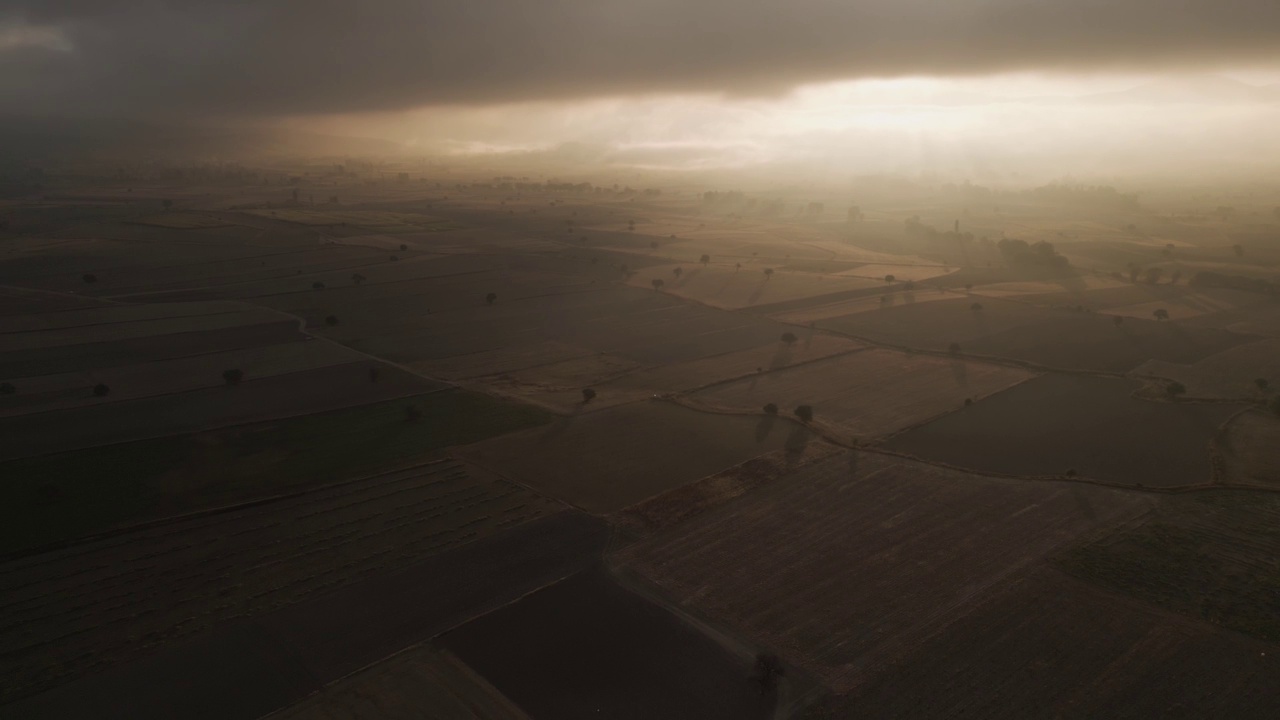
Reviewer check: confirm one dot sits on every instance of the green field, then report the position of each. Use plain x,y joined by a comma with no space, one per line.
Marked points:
1212,556
63,496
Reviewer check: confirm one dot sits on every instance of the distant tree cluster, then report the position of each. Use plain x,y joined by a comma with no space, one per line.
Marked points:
1019,253
1093,196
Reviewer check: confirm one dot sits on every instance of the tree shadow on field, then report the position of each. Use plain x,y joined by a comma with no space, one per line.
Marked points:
781,358
960,371
1082,501
755,294
561,425
796,443
764,427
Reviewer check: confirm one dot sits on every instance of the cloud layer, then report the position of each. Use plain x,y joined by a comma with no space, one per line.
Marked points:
259,58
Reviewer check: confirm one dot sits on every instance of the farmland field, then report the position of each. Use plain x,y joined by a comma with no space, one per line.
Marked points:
730,289
1059,423
271,658
1050,337
402,687
133,592
609,459
62,496
846,565
63,390
1228,374
94,422
1210,556
1050,647
870,393
1248,448
586,648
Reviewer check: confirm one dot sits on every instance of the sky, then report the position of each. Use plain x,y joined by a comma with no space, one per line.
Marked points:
739,81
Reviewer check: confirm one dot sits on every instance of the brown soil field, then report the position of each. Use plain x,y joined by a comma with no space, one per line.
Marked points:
121,596
873,303
1228,374
425,681
254,400
1057,423
867,394
1209,556
101,313
618,381
56,498
18,302
644,327
243,668
849,564
1250,449
725,287
606,460
1045,336
900,272
128,382
1051,647
1260,319
182,221
84,357
107,331
587,648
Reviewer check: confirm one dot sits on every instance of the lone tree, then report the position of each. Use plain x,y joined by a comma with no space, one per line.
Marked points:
1174,389
101,390
789,338
768,273
954,348
976,307
889,278
412,413
657,284
490,298
771,409
7,389
403,247
89,278
331,320
588,395
1118,320
317,285
233,376
357,278
737,267
805,413
1161,314
705,260
1260,382
677,272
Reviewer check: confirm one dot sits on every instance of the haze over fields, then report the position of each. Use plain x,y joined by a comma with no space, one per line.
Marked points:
567,360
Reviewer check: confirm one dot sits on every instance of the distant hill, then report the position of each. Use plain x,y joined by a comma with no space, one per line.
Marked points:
28,138
1194,90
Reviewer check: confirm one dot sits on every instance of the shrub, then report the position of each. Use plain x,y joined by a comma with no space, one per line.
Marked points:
101,390
331,320
789,338
1175,389
7,389
805,413
954,348
490,298
771,409
588,395
233,376
317,285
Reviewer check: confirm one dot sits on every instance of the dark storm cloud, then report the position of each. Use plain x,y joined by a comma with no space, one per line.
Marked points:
273,57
